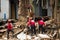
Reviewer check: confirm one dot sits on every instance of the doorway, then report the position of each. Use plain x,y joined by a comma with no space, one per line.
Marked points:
13,9
44,12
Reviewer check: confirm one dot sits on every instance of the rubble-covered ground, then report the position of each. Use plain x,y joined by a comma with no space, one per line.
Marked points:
17,32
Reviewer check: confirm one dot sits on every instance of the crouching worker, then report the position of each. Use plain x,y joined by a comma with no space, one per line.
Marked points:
29,27
9,27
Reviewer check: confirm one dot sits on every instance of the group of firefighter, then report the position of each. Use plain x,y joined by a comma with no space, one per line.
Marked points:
33,23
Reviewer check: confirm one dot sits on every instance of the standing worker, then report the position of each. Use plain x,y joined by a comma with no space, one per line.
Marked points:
32,23
9,26
41,23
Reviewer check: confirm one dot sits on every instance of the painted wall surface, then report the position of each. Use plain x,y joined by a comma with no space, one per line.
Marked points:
4,9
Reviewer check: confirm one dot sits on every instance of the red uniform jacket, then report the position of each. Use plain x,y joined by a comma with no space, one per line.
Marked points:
32,22
41,22
9,26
